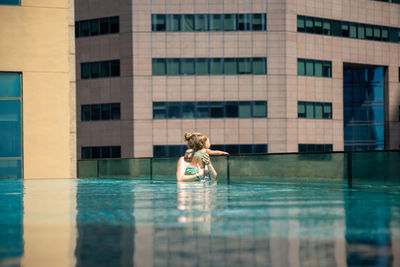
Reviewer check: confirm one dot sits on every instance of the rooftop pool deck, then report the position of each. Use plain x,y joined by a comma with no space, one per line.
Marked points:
143,222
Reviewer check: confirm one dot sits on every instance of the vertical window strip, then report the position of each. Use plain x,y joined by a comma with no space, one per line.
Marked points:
101,112
317,68
100,69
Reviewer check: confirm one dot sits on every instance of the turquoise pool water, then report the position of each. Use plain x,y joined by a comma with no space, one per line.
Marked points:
106,222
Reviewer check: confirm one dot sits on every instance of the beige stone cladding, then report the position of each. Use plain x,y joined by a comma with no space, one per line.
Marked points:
106,90
37,40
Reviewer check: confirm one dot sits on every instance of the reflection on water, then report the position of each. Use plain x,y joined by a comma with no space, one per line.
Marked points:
143,223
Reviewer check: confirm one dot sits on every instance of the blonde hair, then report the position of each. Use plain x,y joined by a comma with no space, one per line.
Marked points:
199,141
189,138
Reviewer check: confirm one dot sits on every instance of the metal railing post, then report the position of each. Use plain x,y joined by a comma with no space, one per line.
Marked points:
349,170
228,170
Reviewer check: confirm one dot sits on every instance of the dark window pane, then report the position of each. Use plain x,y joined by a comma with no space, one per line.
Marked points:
260,109
94,27
260,148
105,69
115,151
259,66
216,67
244,109
95,153
230,22
188,110
158,66
326,69
318,68
309,25
301,24
105,152
76,29
86,153
318,110
377,33
175,151
10,128
244,22
302,148
202,110
105,111
158,23
10,2
84,28
116,111
385,34
10,84
105,26
259,22
160,151
327,27
173,23
215,23
361,31
187,23
232,149
230,66
327,111
85,112
94,70
244,65
301,109
159,110
202,66
216,110
309,68
336,28
114,25
309,110
95,112
345,29
85,71
369,32
115,70
245,149
172,66
318,26
353,30
301,70
174,110
232,109
201,22
187,66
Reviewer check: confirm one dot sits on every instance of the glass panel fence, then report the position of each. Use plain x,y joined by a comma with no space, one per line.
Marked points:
164,168
318,167
125,168
376,167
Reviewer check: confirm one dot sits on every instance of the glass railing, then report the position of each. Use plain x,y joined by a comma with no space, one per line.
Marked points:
347,168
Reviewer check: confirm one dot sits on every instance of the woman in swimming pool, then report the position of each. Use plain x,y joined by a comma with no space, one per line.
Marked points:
201,147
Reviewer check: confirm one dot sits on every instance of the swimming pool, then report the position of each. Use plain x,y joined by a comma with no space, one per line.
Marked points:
111,222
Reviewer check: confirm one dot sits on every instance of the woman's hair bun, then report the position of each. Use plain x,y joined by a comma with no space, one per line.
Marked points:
187,136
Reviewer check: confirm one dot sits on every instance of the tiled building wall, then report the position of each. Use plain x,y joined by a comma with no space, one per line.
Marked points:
106,90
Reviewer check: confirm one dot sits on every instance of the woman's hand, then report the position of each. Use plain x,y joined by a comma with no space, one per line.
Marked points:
206,159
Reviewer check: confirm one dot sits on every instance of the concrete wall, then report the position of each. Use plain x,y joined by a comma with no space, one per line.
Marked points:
37,39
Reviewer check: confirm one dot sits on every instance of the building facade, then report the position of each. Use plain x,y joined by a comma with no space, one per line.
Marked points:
37,89
256,76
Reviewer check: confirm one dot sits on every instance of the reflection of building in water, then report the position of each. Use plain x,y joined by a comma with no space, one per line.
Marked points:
368,230
106,225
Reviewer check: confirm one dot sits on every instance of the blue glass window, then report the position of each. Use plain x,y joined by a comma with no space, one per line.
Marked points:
10,2
10,125
363,101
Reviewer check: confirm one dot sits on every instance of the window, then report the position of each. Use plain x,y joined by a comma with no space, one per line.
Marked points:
158,23
207,66
96,27
10,2
208,22
102,112
101,69
199,110
10,125
315,148
103,152
233,149
314,110
316,68
347,29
